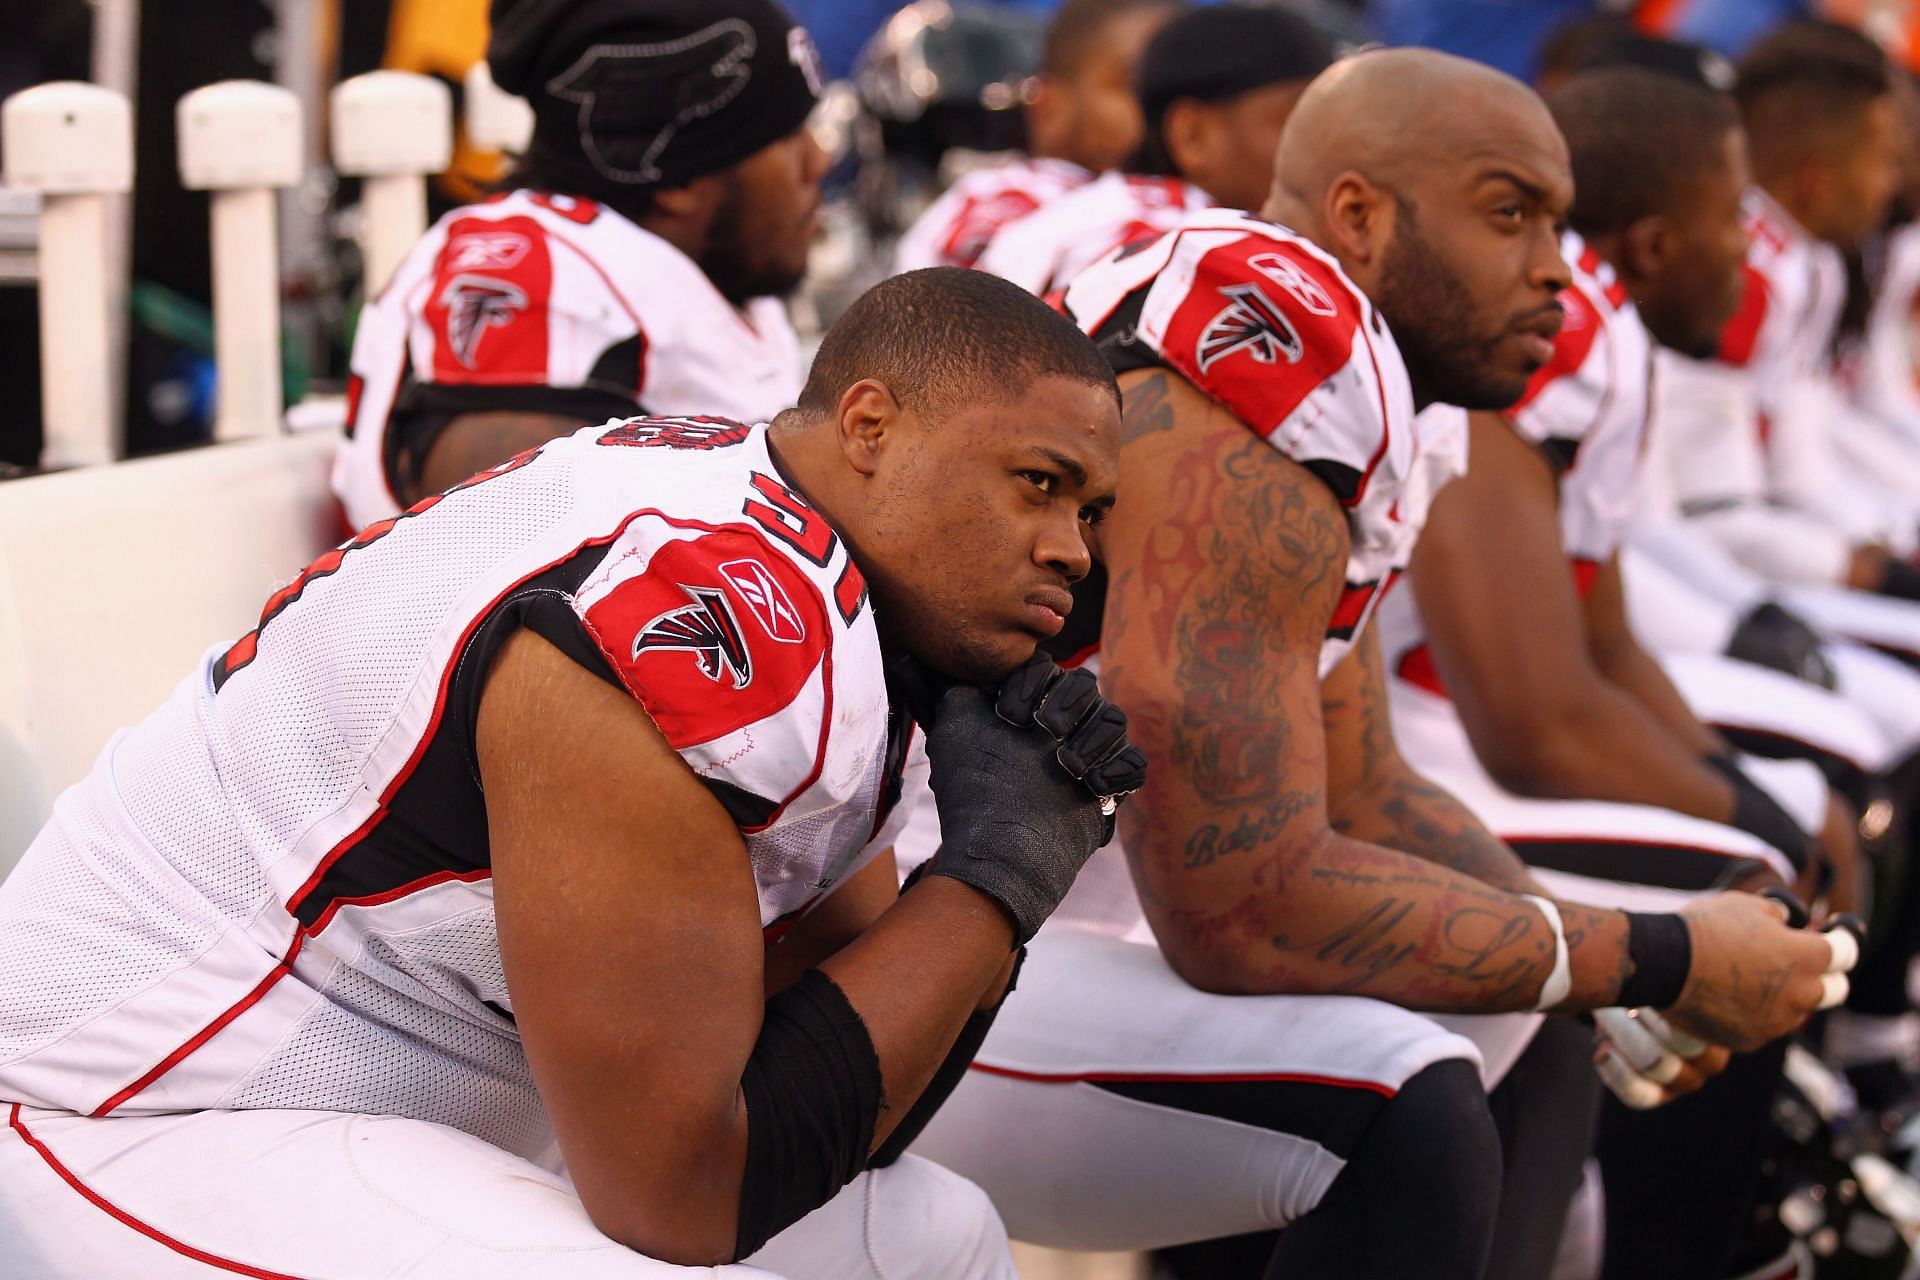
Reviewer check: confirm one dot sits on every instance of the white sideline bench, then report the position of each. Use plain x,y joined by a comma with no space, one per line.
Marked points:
115,579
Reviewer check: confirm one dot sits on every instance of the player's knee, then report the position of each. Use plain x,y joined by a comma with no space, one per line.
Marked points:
1439,1130
926,1222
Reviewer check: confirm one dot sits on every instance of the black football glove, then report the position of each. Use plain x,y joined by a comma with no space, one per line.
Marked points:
1025,779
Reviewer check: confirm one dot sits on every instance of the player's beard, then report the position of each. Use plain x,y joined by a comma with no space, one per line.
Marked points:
1427,306
730,260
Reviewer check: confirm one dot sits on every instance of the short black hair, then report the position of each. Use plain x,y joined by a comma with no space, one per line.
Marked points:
1637,138
1078,26
943,337
1696,63
1803,84
1571,42
1217,53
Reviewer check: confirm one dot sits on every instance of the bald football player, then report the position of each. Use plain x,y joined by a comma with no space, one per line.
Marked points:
1252,988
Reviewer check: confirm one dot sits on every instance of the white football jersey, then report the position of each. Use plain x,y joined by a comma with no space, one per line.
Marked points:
1050,246
955,229
532,301
275,892
1586,411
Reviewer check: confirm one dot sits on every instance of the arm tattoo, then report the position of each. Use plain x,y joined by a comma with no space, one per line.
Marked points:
1395,807
1146,410
1207,616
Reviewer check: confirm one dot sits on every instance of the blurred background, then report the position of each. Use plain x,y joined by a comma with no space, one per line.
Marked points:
921,95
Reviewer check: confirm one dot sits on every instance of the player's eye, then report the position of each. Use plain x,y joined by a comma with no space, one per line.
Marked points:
1511,214
1093,517
1044,481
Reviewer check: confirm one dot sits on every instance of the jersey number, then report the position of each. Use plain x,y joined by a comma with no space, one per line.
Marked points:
786,515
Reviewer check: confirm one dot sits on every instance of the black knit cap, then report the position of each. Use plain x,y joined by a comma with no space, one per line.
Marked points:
1222,51
652,93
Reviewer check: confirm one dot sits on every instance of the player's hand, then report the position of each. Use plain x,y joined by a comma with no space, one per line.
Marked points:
1025,779
1754,976
1647,1062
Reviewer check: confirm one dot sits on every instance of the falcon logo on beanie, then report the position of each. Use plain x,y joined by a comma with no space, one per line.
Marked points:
653,92
725,49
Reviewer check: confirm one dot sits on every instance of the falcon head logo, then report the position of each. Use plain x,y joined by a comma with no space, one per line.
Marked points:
615,87
475,304
707,629
1251,323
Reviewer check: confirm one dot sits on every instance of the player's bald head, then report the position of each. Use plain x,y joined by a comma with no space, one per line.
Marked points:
1439,185
1396,115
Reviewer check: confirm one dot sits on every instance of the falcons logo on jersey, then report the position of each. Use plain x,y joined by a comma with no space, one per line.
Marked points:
708,630
1251,323
474,305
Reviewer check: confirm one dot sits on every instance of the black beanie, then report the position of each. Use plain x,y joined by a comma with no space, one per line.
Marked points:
1222,51
652,93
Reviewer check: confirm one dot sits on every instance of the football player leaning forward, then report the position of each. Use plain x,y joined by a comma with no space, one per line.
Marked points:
519,894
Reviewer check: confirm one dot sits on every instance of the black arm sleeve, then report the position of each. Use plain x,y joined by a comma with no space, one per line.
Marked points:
812,1088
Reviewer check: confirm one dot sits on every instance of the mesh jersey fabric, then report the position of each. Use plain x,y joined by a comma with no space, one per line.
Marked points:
275,891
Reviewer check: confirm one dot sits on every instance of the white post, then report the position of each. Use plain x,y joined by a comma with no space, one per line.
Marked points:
496,119
73,143
392,129
241,139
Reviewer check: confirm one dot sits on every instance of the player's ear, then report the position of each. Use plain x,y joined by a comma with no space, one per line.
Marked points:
1190,130
1359,217
693,202
1647,248
1046,111
869,420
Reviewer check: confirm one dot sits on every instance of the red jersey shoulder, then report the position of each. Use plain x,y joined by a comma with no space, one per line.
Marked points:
1262,324
980,218
1742,333
719,630
488,302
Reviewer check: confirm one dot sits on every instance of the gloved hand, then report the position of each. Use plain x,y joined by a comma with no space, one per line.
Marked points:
1770,636
1025,779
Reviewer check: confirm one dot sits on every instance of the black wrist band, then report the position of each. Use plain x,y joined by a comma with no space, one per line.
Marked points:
1757,813
1662,953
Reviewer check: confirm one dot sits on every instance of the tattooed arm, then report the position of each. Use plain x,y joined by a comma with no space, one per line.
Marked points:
1376,795
1225,562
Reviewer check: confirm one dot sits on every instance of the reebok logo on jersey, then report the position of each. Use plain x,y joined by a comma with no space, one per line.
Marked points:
487,251
474,305
1287,274
708,630
768,603
1251,323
